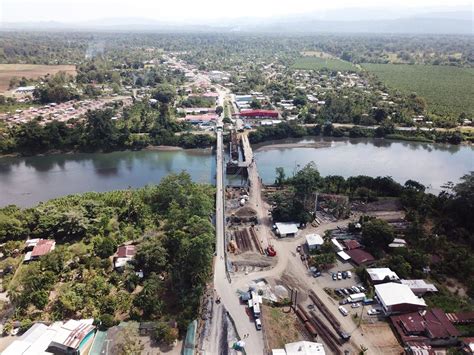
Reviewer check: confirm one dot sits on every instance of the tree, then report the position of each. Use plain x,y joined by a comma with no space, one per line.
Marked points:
104,247
152,256
376,235
219,110
164,333
280,176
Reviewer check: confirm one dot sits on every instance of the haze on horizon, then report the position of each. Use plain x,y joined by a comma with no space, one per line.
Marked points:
191,11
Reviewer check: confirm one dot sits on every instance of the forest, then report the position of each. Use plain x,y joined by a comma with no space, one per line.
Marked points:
170,225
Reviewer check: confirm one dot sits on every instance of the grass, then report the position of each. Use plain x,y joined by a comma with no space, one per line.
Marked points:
29,71
317,63
448,90
279,327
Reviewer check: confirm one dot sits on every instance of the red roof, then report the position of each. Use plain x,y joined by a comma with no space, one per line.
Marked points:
258,113
43,247
360,256
351,244
125,251
461,317
424,326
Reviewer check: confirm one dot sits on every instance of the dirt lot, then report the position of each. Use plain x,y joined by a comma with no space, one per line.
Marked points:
280,327
29,71
382,337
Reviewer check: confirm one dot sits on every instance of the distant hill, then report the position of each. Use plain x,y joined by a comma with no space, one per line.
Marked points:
340,21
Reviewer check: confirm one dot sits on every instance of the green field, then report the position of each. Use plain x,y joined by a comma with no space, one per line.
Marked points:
316,63
448,90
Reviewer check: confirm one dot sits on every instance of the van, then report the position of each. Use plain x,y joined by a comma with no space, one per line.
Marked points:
343,311
258,324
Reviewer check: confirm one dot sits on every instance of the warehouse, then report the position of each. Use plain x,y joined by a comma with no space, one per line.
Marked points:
397,298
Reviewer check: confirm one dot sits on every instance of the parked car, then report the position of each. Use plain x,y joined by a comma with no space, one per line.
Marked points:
258,324
349,274
344,275
298,248
343,301
334,276
355,305
346,291
355,289
361,288
374,312
339,275
343,311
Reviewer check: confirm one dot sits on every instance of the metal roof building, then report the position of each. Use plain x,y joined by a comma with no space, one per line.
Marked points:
398,298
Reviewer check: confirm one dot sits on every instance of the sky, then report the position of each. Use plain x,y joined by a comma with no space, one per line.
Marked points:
193,10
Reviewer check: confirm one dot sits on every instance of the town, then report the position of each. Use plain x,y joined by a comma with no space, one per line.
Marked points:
303,262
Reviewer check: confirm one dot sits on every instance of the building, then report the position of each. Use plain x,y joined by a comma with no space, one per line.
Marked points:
398,243
39,247
428,327
337,246
314,241
351,244
286,229
360,257
419,287
71,337
381,275
301,348
199,119
258,114
461,317
125,254
397,298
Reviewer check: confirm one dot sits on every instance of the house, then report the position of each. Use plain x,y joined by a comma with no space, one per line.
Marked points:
351,244
360,257
286,229
125,254
419,287
343,255
461,317
427,327
314,241
71,337
39,247
397,298
381,275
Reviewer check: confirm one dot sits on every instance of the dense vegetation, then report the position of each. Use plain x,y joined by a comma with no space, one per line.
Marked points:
441,228
292,130
316,63
170,225
447,90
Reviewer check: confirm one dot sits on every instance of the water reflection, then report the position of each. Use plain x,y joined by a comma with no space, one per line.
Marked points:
26,181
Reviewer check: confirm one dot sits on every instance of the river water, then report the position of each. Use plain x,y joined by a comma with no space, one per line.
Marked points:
430,164
27,181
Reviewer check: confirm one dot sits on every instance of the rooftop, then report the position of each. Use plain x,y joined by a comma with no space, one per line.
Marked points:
351,244
43,247
304,348
419,285
286,228
380,274
392,293
424,325
360,256
126,251
314,239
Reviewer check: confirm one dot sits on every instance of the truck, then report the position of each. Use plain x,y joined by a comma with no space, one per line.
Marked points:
356,297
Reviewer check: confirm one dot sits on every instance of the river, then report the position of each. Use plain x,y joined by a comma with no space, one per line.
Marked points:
27,181
430,164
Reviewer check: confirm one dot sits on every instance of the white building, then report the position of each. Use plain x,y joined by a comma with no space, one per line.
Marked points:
301,348
381,275
286,229
314,241
419,287
398,298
